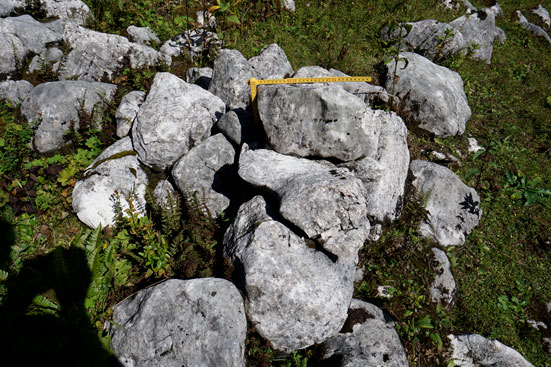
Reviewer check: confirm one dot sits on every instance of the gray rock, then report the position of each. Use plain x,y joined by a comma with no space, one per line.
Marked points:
127,111
456,5
55,104
430,38
496,9
193,43
175,117
165,194
100,56
230,79
543,14
7,7
536,30
288,5
116,169
296,296
384,175
472,350
192,323
328,203
14,92
206,171
34,35
12,50
478,29
239,127
367,339
500,35
313,72
74,11
453,207
442,289
47,60
474,146
367,92
199,76
271,63
142,35
429,96
204,18
325,121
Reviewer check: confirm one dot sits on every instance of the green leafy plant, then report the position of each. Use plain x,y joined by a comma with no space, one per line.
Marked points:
396,33
228,10
520,187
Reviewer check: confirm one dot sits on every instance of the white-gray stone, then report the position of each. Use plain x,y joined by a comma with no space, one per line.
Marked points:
271,63
296,296
127,111
230,79
543,14
478,29
474,146
74,11
55,104
288,5
199,76
164,194
239,127
473,350
7,7
193,43
367,92
428,96
206,171
367,339
536,30
47,60
142,35
442,289
192,323
175,117
33,34
453,207
328,203
12,50
204,18
101,56
14,92
116,169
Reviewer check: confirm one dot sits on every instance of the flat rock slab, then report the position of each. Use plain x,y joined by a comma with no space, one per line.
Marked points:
175,117
192,323
429,96
206,172
328,203
115,170
55,104
326,122
366,339
453,207
296,296
472,350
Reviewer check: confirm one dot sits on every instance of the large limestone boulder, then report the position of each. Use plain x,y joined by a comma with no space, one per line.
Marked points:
206,171
142,35
175,117
110,181
74,11
328,203
34,35
478,29
453,207
14,92
325,121
192,323
54,105
472,350
271,63
296,296
366,339
102,57
429,96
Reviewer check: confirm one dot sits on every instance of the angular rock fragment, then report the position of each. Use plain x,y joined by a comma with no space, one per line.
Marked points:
12,50
47,60
429,96
206,171
478,29
296,296
127,111
271,63
192,323
442,289
453,207
14,92
74,11
175,117
239,127
142,35
543,14
536,30
34,35
109,182
199,76
193,43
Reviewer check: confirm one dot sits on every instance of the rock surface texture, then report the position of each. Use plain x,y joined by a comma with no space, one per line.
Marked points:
192,323
296,296
127,111
442,289
239,127
13,91
536,30
453,207
271,63
429,96
478,29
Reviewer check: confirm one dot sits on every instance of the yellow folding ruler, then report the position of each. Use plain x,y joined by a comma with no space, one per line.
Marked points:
253,82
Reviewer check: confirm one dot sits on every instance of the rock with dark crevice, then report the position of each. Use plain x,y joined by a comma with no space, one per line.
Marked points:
442,289
127,111
478,29
239,127
271,63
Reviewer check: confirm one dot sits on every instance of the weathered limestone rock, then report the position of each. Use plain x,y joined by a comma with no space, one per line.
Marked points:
472,350
193,42
33,34
536,30
164,194
127,111
142,35
366,339
48,59
296,296
314,121
116,169
175,117
74,11
239,127
230,79
100,56
478,29
428,95
199,76
442,289
288,5
14,92
454,208
192,323
12,50
271,63
543,14
328,203
7,7
204,18
206,171
55,104
367,92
